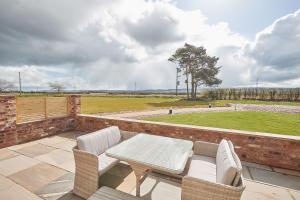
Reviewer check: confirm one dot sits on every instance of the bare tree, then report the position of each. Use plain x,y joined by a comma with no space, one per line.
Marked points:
6,85
57,86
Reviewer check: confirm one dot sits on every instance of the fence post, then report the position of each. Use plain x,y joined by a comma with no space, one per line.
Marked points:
17,115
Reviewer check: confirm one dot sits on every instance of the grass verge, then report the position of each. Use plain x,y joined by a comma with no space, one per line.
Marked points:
278,123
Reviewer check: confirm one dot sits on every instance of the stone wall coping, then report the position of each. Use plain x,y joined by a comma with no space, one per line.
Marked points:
43,120
10,96
229,131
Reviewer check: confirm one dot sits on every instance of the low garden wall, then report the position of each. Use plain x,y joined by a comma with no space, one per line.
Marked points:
262,148
12,133
34,130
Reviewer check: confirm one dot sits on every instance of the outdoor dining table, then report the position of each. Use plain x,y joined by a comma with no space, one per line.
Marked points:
145,152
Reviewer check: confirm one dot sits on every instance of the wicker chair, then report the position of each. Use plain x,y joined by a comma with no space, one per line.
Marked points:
203,186
106,193
91,163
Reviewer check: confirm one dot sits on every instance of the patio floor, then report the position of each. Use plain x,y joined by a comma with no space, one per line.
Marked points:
44,169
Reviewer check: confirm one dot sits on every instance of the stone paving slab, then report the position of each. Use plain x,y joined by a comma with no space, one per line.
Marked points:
35,177
12,191
6,154
65,145
286,171
60,158
59,189
52,140
16,164
295,194
35,150
154,188
255,165
259,191
274,178
19,146
71,135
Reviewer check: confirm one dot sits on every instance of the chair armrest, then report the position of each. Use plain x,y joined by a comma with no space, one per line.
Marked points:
86,180
205,148
194,188
85,161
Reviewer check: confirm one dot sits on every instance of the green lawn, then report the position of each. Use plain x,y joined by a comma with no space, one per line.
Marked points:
101,104
279,123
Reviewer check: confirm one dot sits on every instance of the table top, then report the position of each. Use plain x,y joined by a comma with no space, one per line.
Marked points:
156,152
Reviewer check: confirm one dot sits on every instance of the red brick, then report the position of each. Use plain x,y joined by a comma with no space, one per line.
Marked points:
261,149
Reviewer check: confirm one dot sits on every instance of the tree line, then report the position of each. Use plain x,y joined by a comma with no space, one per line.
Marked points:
7,86
272,94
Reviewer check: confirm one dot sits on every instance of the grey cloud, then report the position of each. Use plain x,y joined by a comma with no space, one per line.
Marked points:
53,33
154,28
275,76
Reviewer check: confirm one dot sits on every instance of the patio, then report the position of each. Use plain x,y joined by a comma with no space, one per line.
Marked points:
44,169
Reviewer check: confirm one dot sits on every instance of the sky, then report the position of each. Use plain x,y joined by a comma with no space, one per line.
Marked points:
114,44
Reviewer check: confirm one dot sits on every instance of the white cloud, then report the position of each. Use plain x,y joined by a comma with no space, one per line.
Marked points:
277,53
111,45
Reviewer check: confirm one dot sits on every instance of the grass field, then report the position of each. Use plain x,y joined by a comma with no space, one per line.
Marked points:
103,104
92,105
279,123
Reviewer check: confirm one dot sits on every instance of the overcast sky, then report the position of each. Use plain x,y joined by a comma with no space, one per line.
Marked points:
100,44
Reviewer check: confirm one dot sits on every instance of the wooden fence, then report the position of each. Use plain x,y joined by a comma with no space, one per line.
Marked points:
40,108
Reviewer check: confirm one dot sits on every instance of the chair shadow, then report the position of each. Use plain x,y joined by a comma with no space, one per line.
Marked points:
115,176
159,178
69,196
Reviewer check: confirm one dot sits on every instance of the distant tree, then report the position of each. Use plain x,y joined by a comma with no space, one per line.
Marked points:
197,66
182,58
57,86
6,85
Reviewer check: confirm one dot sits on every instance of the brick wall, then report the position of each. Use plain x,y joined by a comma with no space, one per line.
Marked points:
12,133
34,130
74,104
267,149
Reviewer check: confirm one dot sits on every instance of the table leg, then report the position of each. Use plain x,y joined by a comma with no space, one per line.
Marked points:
140,173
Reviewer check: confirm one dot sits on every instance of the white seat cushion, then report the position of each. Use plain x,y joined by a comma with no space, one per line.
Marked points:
94,143
203,167
226,167
238,164
99,141
105,163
